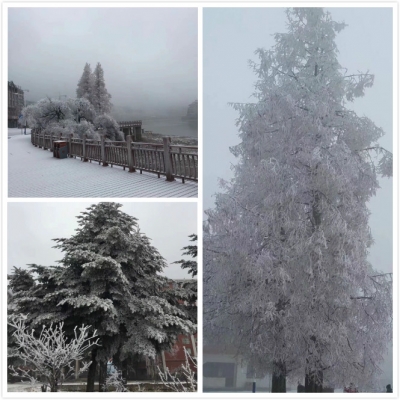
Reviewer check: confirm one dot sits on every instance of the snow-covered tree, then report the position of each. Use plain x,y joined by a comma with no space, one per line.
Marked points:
45,112
50,354
191,250
85,84
81,108
100,96
286,275
109,126
189,289
74,116
110,279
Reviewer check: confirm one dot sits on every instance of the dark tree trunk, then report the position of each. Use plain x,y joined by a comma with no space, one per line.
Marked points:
314,382
314,373
91,372
124,372
102,376
279,378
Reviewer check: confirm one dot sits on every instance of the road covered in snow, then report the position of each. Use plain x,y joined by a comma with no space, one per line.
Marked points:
34,172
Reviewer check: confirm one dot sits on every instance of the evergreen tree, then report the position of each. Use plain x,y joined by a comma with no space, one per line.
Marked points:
189,292
85,84
112,281
100,96
34,293
109,278
285,267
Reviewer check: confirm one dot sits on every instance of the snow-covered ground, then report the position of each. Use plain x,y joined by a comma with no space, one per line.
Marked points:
34,172
27,387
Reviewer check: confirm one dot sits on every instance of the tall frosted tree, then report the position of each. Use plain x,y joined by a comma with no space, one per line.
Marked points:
85,84
286,275
101,99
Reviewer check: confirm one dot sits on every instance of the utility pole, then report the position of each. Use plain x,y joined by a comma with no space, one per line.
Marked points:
25,90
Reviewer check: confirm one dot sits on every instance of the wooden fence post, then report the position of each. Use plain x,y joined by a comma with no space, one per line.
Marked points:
103,150
168,159
130,154
84,148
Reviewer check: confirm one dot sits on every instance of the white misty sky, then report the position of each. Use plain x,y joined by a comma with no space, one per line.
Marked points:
32,226
231,35
149,55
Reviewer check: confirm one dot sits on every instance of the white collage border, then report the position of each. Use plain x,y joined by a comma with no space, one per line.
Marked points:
200,5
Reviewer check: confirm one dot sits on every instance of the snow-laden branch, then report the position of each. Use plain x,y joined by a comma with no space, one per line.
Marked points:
50,355
184,379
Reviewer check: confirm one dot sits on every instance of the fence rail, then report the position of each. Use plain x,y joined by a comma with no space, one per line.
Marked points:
163,159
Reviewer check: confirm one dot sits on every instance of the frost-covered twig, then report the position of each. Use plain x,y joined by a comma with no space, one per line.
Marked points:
183,380
51,355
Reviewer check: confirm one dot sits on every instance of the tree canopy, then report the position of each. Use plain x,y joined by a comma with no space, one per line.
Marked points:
109,277
286,275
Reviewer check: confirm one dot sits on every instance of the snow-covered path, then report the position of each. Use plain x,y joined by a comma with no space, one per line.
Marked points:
33,172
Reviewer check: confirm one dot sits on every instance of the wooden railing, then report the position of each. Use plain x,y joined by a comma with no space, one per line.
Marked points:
162,159
125,124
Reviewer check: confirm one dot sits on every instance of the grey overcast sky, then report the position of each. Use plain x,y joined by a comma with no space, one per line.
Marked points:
149,55
231,35
32,226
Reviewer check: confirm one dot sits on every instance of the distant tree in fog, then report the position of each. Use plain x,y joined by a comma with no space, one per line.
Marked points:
100,97
85,84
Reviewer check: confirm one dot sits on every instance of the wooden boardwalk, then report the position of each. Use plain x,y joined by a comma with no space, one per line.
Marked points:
33,172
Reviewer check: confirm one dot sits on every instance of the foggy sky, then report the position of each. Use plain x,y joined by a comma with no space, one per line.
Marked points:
231,35
32,226
149,55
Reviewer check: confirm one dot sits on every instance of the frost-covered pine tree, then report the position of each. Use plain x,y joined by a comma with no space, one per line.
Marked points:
85,84
110,280
100,97
189,289
35,294
286,275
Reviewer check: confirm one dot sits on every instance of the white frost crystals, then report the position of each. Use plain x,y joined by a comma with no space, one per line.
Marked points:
184,379
49,354
291,229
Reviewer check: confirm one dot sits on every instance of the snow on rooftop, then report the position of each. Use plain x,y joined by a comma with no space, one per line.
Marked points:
34,172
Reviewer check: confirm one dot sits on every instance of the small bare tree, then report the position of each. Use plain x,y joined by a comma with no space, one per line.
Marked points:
51,355
183,380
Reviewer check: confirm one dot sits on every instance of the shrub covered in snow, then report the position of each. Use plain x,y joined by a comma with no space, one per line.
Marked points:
50,354
109,127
